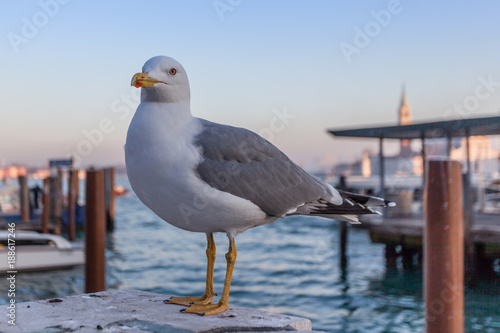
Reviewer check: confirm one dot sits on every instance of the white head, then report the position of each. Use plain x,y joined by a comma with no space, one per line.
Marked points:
163,80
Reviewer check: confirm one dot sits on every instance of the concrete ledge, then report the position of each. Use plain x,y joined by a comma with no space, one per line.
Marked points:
140,311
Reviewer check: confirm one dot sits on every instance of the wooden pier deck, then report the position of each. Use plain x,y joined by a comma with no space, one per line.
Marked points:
408,232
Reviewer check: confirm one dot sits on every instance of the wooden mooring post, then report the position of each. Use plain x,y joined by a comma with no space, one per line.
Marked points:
110,199
95,232
76,188
444,247
343,244
72,201
46,206
24,198
55,204
342,185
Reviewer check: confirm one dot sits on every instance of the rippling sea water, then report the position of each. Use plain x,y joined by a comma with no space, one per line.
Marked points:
290,266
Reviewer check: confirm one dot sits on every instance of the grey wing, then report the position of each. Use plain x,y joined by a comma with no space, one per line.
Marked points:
244,164
352,207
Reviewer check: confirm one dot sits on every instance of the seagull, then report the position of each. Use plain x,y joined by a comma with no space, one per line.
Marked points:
206,177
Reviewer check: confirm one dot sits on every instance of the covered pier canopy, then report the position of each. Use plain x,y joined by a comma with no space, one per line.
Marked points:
430,130
425,130
437,129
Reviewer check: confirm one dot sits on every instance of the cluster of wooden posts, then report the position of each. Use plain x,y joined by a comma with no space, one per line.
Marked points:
99,215
53,202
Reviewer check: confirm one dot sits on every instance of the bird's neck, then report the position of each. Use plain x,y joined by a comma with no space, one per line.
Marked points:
175,115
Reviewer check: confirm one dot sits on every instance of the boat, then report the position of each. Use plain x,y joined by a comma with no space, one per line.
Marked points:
120,190
37,251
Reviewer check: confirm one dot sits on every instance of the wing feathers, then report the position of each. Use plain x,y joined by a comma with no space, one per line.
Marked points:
353,205
240,162
259,172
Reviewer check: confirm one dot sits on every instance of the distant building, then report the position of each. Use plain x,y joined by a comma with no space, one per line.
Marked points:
12,171
405,163
405,119
484,159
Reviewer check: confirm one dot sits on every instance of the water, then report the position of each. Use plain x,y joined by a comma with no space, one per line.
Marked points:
290,266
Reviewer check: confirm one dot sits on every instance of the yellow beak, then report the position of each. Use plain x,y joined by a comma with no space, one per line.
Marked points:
143,80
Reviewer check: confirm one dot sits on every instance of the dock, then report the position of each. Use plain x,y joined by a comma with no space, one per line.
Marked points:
407,233
403,235
140,311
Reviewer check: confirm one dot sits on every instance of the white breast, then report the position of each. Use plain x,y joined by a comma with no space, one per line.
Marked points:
161,164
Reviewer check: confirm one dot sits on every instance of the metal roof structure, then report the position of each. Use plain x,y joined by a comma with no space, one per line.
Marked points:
438,129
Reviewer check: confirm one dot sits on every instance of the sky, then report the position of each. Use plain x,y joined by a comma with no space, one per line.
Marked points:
288,70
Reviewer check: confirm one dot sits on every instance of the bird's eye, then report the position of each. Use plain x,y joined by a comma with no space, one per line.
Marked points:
172,71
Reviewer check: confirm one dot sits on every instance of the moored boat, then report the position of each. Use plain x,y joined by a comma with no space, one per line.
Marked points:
36,251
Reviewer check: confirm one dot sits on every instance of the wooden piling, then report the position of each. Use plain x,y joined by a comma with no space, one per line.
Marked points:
110,199
24,198
343,244
55,204
444,247
471,268
407,257
60,176
382,167
391,256
95,232
46,206
72,200
76,188
342,185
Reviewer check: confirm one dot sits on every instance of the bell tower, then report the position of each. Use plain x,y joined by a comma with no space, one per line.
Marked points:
405,119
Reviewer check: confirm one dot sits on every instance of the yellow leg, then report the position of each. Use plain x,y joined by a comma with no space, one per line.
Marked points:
209,294
211,309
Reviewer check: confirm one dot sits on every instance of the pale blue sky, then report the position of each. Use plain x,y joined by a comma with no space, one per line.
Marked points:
246,64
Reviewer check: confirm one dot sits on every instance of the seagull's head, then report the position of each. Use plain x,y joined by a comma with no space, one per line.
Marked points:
163,80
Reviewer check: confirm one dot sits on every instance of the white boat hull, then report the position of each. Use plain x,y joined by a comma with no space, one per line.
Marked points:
42,257
34,251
